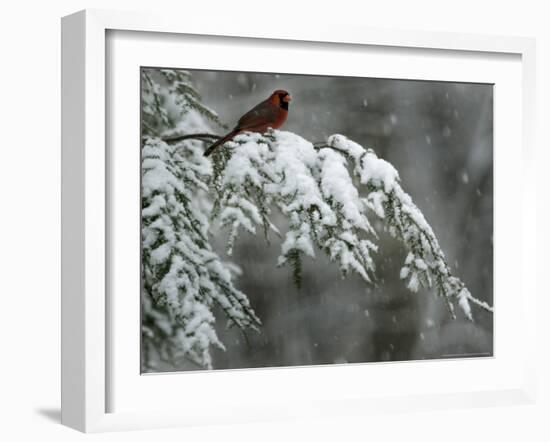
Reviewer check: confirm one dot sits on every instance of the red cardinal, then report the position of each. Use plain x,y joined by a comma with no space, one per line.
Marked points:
271,112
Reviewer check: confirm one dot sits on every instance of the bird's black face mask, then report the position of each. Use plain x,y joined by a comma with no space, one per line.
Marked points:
284,104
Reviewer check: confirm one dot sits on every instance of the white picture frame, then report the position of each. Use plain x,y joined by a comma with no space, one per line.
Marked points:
86,316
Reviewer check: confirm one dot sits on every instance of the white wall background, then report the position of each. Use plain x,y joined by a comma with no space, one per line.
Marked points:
30,220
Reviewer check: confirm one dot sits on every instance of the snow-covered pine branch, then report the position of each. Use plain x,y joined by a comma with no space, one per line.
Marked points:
313,187
181,271
183,278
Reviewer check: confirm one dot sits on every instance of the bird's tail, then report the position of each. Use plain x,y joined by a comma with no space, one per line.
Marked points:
222,140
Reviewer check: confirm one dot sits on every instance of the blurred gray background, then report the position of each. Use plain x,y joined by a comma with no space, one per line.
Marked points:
439,137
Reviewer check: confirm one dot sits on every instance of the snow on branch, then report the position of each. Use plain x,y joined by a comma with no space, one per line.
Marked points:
181,271
184,279
313,187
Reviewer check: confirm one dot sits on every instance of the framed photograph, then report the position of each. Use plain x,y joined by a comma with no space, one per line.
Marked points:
245,239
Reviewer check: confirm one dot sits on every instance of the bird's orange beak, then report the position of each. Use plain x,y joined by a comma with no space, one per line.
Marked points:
287,99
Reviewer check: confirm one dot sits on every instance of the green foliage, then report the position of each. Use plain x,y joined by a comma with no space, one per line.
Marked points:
167,96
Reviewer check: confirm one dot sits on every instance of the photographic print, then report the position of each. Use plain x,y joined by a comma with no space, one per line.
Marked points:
301,220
